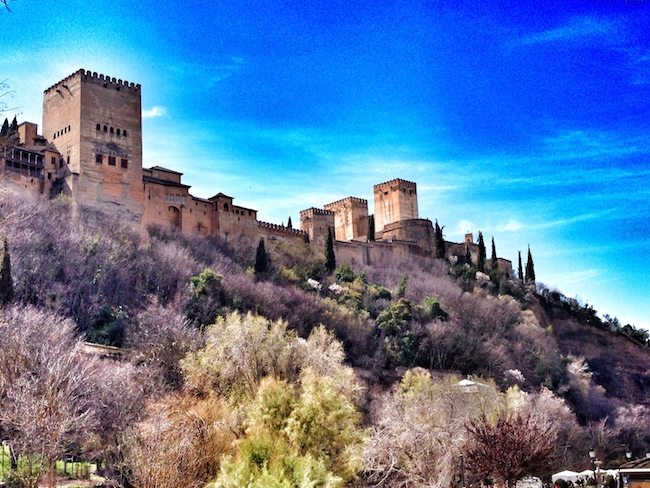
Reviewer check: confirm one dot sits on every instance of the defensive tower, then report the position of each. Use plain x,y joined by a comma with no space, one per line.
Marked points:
350,218
95,122
395,201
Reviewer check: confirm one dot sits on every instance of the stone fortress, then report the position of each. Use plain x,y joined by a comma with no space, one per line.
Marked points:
91,151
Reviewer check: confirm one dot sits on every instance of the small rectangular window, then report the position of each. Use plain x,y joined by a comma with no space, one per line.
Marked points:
98,158
53,160
124,163
111,160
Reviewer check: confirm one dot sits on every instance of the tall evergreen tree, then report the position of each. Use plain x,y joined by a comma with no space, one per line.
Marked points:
480,260
6,283
439,238
4,132
261,259
494,261
289,223
330,258
371,228
13,129
468,255
520,270
530,268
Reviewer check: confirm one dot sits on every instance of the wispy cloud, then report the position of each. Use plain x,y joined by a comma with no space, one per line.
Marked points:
156,111
577,28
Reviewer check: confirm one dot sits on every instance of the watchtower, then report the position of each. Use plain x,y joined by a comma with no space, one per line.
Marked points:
395,201
95,122
315,222
350,218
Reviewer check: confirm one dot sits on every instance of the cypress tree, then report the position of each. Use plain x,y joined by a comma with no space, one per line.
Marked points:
494,261
480,260
441,250
530,268
261,259
4,132
289,223
370,237
6,283
468,255
330,258
520,270
13,129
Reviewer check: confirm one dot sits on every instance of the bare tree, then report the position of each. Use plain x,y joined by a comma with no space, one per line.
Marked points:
512,447
44,387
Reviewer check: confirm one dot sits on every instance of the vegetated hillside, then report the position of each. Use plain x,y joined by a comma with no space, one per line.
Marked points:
157,293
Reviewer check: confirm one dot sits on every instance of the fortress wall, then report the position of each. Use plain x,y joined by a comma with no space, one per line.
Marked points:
419,231
281,233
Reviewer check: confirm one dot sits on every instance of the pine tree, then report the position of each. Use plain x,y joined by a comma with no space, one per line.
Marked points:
530,268
494,261
520,270
6,283
330,258
480,260
441,250
371,228
261,259
289,223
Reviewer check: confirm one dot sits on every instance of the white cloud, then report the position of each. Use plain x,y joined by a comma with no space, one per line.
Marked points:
578,28
512,225
156,111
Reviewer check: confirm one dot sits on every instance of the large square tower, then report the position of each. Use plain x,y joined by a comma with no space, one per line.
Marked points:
395,201
95,122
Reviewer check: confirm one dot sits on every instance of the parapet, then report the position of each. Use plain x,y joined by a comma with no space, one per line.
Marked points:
281,228
358,201
397,181
93,77
315,211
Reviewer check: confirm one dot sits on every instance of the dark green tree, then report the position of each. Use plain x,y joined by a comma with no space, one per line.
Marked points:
440,241
468,255
530,268
6,283
371,228
480,260
289,223
520,270
261,259
330,258
4,132
494,261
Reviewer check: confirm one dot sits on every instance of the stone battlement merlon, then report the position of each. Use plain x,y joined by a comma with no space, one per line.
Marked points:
351,199
396,180
97,78
317,211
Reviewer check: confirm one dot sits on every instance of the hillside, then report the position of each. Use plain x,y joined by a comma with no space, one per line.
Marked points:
287,334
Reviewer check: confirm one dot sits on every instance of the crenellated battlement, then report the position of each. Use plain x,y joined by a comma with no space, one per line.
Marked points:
281,228
94,77
315,211
359,201
392,183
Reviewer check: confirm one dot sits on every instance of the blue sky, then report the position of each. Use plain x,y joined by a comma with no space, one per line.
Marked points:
528,121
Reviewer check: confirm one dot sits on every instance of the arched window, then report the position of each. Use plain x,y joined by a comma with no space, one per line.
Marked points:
118,132
99,127
225,206
105,129
124,134
111,130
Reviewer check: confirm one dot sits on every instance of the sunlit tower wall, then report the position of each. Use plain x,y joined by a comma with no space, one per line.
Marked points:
350,218
395,201
315,222
95,122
